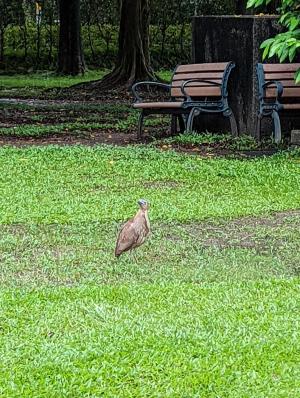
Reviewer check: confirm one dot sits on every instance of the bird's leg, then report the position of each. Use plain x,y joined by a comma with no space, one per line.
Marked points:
132,255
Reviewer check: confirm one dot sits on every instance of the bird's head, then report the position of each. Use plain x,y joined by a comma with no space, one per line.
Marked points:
144,205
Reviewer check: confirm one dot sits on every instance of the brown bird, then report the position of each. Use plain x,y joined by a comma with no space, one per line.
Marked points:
134,231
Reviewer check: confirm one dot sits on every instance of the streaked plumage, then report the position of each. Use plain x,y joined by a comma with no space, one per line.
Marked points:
135,231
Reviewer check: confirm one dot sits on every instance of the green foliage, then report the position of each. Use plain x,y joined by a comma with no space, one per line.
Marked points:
285,45
99,50
27,44
219,141
244,142
75,128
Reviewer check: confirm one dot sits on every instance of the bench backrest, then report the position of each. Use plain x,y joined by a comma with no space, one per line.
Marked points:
283,73
211,72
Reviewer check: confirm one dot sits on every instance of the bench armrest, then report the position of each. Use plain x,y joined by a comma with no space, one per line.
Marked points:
278,85
136,86
187,82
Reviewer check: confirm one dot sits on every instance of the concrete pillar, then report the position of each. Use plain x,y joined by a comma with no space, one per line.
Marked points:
238,39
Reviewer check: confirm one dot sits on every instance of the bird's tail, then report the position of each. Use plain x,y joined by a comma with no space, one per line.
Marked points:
117,253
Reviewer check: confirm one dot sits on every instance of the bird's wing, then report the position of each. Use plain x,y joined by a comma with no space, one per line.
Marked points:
128,236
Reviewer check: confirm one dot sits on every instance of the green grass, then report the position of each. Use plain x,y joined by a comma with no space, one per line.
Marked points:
78,184
80,127
61,128
178,340
243,142
52,107
210,306
47,80
53,255
35,84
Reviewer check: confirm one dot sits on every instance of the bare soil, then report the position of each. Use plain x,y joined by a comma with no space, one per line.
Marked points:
258,233
50,112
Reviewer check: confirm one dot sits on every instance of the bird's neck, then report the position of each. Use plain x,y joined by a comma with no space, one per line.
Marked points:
147,219
144,213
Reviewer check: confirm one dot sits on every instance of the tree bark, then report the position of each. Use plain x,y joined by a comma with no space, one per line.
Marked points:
133,60
2,30
70,55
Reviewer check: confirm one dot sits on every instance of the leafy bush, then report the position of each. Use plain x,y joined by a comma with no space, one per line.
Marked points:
285,45
99,49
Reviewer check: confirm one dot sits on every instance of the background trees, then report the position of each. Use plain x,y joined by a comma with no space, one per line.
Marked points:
11,13
70,55
32,42
133,60
28,40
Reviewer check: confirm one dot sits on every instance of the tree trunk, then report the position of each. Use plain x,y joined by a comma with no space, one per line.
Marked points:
2,30
38,42
70,55
133,60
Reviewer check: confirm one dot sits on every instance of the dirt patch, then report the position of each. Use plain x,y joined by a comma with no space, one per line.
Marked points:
259,233
95,138
94,121
211,152
161,184
112,137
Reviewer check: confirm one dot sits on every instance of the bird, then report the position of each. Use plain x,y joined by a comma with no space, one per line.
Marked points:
135,231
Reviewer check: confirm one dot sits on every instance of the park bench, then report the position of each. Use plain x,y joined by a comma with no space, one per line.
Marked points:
194,89
278,93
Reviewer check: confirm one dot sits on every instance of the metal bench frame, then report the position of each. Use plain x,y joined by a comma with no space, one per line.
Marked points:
269,108
190,107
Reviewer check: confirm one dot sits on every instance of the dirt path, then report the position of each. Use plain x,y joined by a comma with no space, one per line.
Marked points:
94,138
36,102
106,113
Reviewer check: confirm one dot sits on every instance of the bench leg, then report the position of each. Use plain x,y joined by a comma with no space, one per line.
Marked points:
233,125
277,127
173,124
258,126
189,125
140,126
181,123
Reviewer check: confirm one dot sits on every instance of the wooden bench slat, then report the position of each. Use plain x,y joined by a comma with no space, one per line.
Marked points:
271,92
199,75
281,67
291,106
178,83
279,76
158,105
201,67
288,83
198,92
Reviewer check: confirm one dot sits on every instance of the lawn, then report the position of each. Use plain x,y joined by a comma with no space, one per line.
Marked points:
46,80
210,305
33,84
